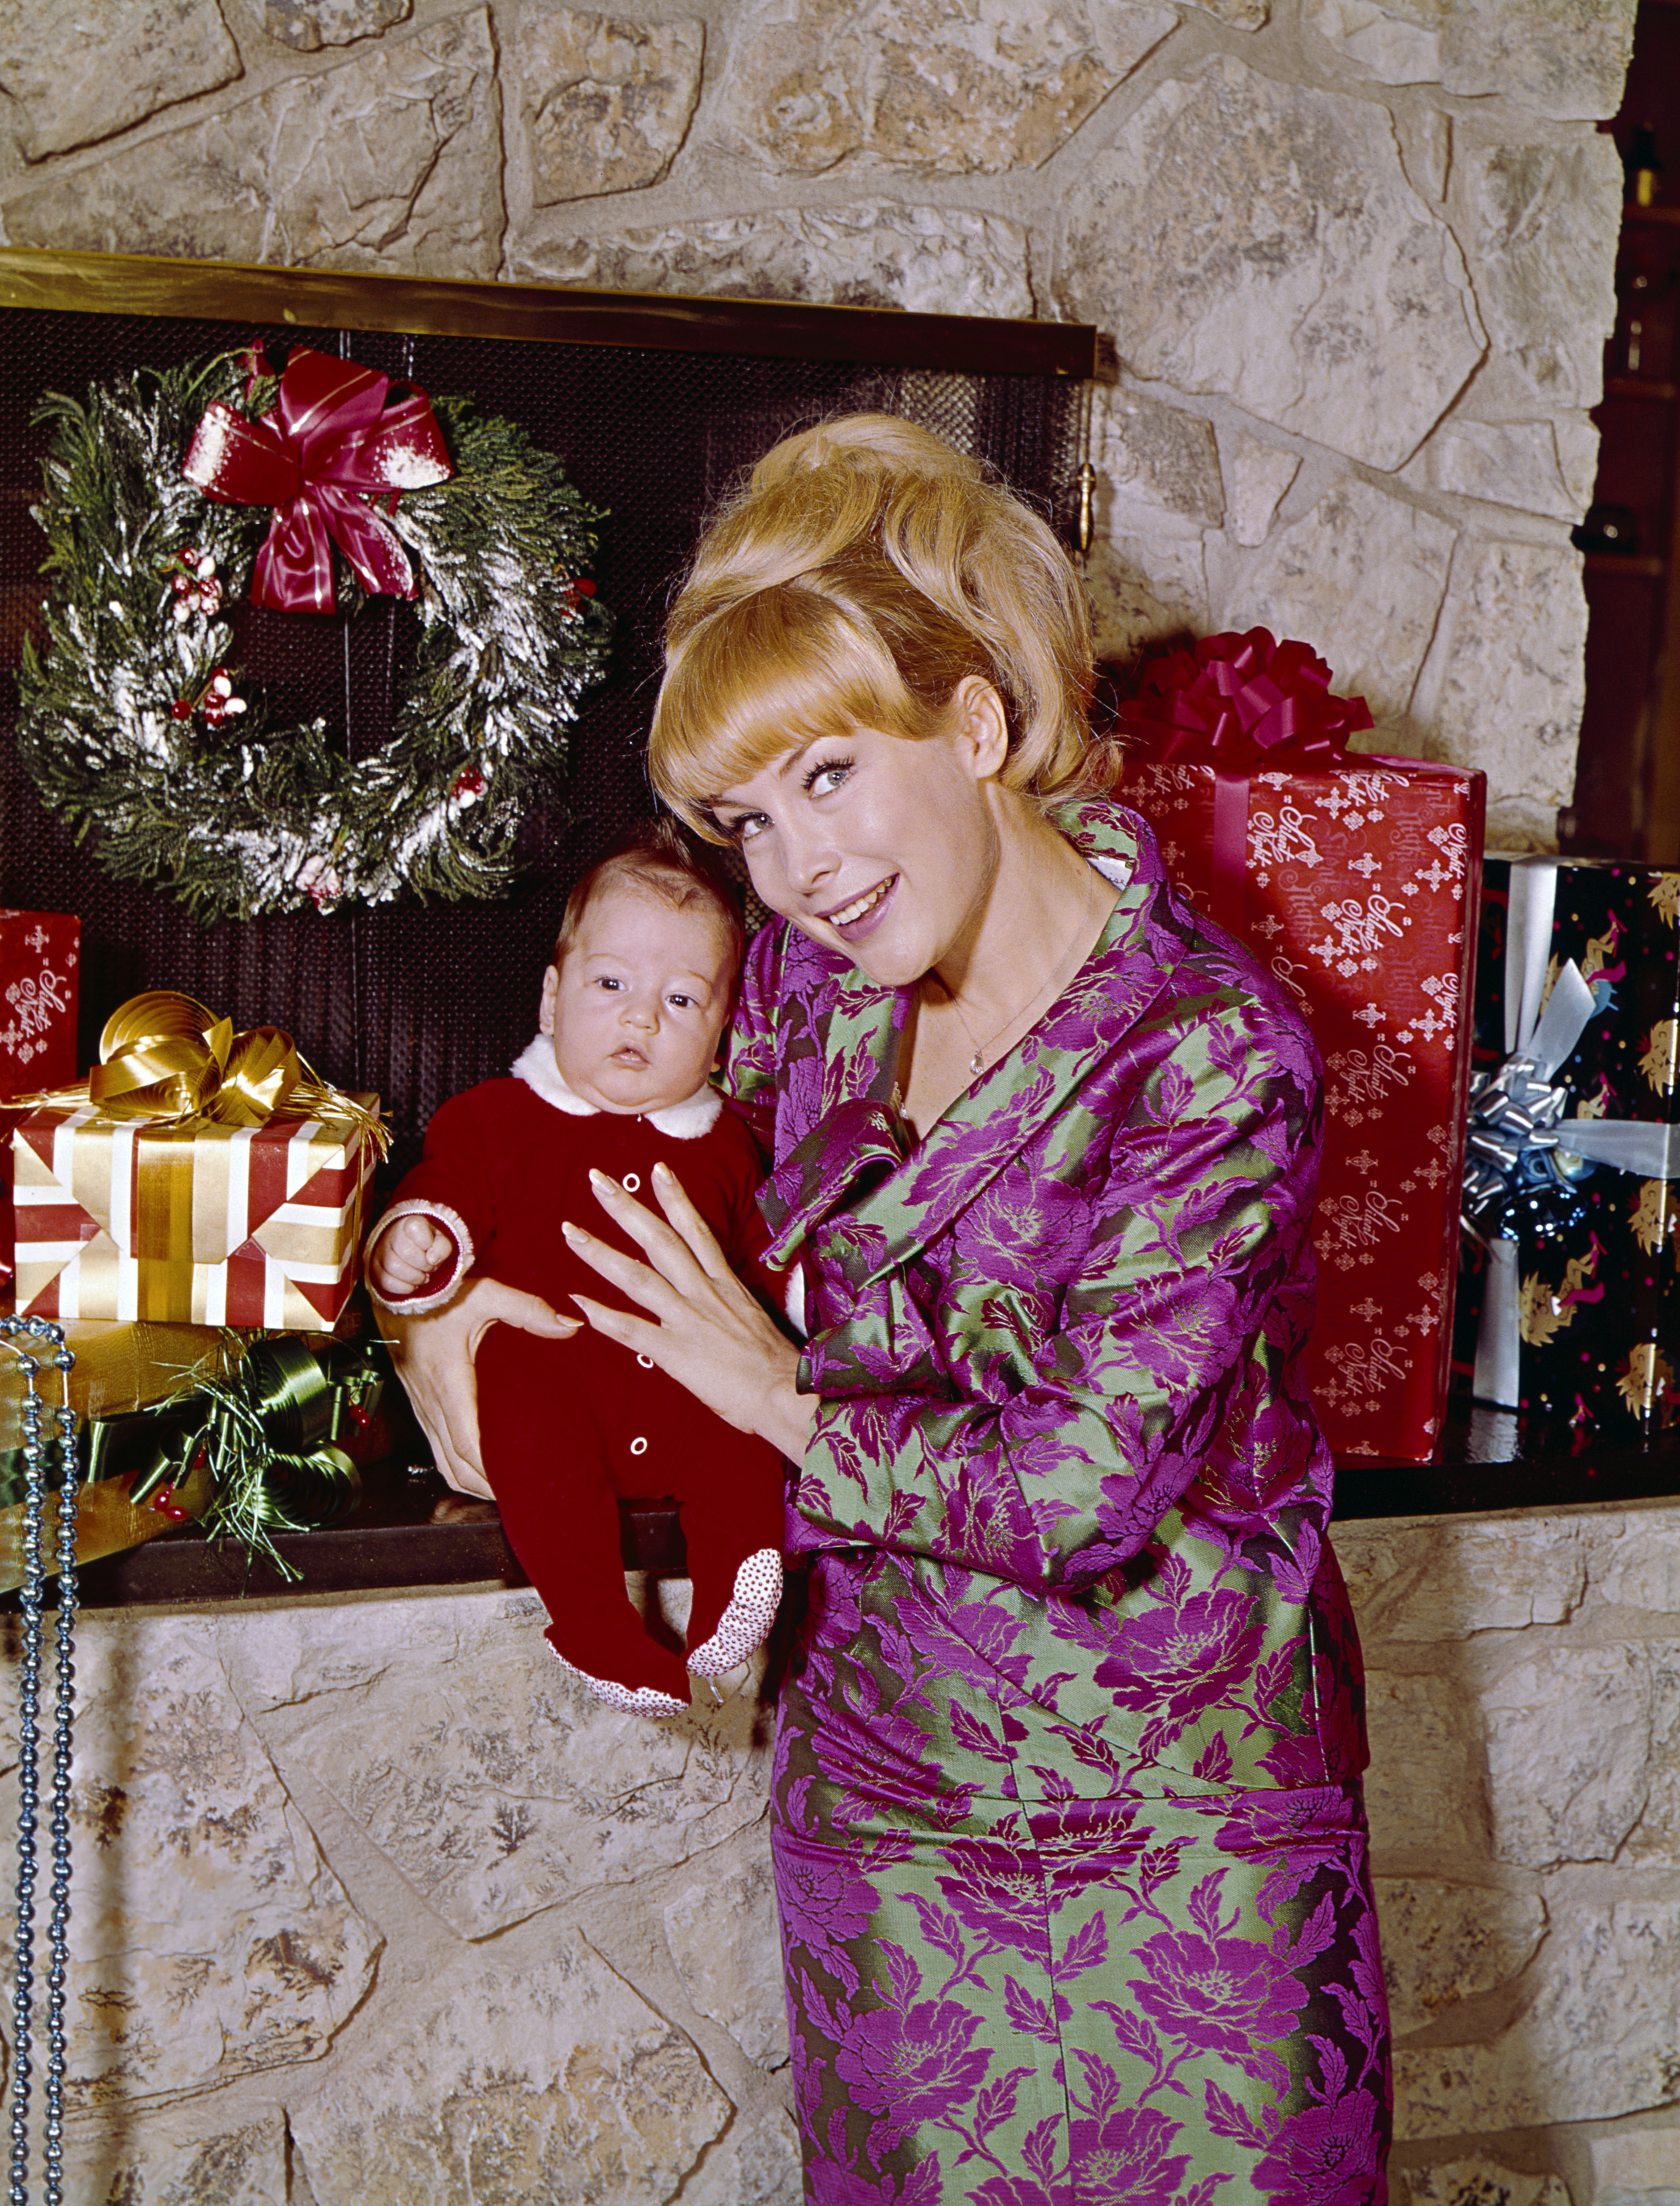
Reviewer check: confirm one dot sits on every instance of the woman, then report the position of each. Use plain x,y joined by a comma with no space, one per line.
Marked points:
1068,1833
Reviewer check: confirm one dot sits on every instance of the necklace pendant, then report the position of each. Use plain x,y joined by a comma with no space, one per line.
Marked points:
977,1064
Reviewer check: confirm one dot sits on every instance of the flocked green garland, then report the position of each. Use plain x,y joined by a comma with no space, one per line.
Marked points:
136,721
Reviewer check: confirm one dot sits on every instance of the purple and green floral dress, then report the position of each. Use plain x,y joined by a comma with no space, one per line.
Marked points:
1067,1827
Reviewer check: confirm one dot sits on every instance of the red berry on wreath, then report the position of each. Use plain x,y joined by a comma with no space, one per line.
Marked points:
469,785
181,709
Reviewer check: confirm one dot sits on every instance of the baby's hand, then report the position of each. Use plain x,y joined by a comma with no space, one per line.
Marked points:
406,1255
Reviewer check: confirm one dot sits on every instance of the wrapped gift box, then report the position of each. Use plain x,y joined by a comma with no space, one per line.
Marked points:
39,952
1570,1190
38,955
193,1221
1356,885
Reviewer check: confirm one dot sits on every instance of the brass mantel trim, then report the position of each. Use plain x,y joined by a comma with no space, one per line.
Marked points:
123,284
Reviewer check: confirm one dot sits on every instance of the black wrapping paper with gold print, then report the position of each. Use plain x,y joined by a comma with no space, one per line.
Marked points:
1576,1258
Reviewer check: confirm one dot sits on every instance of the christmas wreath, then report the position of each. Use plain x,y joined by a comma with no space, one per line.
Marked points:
174,494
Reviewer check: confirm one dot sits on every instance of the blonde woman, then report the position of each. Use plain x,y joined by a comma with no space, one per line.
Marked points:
1067,1828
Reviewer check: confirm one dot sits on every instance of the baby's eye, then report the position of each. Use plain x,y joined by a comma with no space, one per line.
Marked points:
607,980
683,1003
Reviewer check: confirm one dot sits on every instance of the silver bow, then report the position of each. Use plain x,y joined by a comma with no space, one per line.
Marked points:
1518,1134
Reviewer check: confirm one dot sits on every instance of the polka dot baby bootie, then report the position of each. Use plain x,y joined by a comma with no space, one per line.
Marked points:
632,1700
744,1625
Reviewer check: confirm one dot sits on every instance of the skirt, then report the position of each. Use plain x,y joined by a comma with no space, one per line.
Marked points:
1168,1995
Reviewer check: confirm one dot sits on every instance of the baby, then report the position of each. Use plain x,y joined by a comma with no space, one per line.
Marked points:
632,1009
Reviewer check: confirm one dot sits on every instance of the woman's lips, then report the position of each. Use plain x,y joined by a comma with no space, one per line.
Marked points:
874,903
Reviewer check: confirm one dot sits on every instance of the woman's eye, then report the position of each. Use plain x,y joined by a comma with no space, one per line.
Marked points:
824,779
749,825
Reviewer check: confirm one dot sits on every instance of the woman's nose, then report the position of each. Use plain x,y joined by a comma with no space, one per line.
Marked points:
809,858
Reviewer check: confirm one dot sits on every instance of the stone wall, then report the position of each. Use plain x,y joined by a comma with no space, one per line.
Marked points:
372,1908
1357,254
1525,1816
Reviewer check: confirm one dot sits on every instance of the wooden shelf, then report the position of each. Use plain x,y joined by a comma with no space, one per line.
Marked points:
1641,386
1640,563
1660,217
128,283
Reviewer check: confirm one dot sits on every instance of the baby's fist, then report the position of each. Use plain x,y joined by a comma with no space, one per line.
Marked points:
406,1255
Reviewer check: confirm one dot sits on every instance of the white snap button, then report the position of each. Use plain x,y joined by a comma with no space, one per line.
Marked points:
638,1447
630,1182
646,1362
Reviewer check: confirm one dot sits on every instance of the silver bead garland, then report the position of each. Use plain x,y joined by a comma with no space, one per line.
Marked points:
53,1356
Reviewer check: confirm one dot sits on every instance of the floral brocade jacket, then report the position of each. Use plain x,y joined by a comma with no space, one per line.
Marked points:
1065,1461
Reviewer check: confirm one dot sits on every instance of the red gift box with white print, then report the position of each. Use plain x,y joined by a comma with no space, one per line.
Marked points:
1355,880
38,954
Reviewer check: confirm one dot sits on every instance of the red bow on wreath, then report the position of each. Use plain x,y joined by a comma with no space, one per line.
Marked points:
1242,702
330,443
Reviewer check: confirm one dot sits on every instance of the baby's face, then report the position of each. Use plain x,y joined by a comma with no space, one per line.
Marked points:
637,1006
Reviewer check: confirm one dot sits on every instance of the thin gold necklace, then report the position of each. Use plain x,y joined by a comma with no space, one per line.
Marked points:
1064,966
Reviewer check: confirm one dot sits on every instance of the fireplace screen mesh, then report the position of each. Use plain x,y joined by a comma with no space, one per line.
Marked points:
417,1001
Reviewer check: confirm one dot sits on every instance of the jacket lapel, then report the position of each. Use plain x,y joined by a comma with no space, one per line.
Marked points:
1007,1110
858,1131
858,1153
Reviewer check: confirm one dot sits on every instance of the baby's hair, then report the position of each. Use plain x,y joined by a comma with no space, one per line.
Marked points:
866,569
655,857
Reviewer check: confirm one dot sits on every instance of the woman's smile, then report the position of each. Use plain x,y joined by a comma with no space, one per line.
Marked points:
860,917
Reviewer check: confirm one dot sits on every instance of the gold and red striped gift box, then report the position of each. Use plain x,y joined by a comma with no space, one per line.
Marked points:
190,1223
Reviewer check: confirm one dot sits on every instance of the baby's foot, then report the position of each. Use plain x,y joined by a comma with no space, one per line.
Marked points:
744,1625
633,1699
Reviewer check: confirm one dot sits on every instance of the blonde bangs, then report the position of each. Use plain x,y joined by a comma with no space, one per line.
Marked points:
760,677
866,571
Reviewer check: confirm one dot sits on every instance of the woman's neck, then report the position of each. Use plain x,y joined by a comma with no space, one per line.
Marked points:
1042,916
1039,897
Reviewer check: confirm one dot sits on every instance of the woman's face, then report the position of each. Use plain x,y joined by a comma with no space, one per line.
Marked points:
880,846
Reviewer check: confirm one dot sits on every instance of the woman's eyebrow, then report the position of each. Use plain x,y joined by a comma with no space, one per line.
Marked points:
784,767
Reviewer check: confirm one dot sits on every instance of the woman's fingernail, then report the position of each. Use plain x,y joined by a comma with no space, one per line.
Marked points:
572,1232
600,1179
662,1172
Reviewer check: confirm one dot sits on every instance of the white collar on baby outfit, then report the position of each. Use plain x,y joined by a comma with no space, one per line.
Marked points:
679,1121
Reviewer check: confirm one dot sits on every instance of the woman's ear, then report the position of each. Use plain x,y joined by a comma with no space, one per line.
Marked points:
545,1009
981,725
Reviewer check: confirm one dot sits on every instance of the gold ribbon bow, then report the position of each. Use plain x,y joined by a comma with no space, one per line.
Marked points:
164,1058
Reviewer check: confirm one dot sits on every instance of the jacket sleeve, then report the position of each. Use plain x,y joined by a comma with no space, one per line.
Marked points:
451,1185
751,1074
749,1239
1048,1460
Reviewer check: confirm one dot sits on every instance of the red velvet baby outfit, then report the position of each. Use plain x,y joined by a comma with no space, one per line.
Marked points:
568,1427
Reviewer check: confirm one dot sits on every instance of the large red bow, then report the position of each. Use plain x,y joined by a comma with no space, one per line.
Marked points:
1244,703
331,442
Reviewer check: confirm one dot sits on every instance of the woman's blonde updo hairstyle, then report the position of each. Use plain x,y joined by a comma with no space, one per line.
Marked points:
865,570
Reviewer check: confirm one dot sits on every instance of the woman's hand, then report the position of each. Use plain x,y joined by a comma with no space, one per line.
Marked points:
704,1329
433,1355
